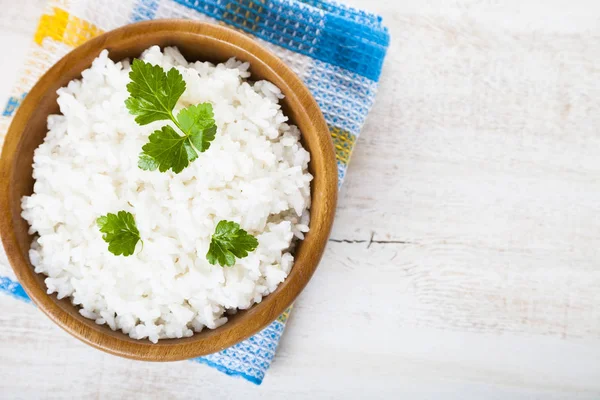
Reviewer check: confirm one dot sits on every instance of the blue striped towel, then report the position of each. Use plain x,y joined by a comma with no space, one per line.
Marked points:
337,50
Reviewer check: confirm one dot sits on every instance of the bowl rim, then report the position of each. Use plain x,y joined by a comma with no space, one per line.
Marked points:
272,306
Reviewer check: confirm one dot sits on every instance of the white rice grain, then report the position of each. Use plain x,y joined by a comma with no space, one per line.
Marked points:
255,173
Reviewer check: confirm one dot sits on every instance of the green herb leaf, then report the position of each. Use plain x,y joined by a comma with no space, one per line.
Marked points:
167,150
198,123
147,163
120,232
228,242
153,93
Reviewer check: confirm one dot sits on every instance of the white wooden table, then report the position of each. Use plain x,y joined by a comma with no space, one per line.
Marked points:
465,258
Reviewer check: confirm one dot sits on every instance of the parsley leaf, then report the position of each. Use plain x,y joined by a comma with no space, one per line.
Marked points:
199,124
120,232
228,242
147,163
153,93
167,150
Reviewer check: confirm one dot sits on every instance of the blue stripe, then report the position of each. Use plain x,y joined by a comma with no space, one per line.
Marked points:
13,288
225,370
12,104
337,40
360,16
345,44
341,173
144,10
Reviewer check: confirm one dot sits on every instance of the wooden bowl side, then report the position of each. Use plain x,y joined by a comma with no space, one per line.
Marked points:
197,41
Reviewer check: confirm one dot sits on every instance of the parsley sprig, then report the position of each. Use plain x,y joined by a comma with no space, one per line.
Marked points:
120,232
228,242
153,95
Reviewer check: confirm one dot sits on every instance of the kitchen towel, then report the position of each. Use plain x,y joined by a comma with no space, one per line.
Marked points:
338,52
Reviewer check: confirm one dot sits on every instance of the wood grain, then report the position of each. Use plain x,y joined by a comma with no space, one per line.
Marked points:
196,41
466,233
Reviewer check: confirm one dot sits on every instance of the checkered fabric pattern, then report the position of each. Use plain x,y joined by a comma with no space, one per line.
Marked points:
338,52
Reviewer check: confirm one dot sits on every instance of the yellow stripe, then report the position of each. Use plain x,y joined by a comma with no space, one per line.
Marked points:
343,141
65,28
284,316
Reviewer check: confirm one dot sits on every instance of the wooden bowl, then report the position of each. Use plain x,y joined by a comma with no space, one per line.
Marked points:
197,41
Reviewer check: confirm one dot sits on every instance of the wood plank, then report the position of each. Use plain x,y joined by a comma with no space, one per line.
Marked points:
464,255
